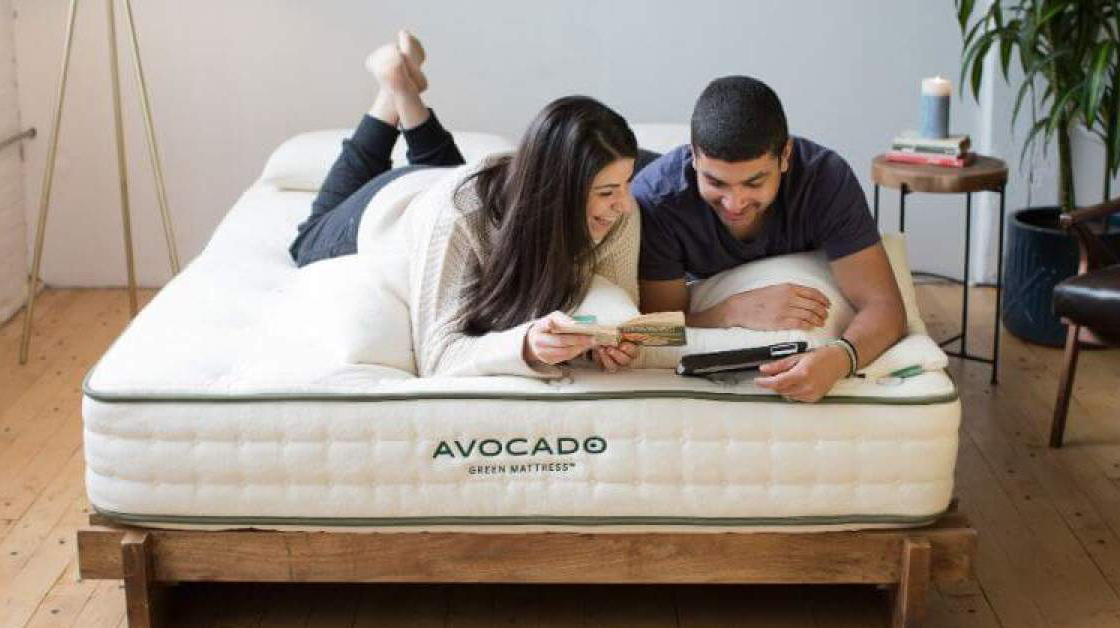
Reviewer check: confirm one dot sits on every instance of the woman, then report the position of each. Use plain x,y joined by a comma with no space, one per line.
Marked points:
497,252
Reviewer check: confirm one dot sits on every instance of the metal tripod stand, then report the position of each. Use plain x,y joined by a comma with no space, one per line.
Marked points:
153,150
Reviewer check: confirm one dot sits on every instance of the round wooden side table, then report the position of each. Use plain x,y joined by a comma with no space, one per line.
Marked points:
985,174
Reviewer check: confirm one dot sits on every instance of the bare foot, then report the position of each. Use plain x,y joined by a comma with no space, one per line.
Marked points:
411,47
414,55
387,64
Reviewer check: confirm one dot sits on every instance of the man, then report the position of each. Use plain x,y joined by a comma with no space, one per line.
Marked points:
744,189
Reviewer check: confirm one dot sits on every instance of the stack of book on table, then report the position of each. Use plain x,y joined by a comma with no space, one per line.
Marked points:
911,148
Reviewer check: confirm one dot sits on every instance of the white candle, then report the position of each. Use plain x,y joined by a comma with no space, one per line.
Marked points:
934,119
937,86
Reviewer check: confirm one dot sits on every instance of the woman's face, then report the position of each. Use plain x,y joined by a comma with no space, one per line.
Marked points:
609,198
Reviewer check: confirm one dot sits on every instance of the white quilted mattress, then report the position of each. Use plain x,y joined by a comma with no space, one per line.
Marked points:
188,423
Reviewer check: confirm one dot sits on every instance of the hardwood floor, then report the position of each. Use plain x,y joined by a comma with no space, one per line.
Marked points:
1049,521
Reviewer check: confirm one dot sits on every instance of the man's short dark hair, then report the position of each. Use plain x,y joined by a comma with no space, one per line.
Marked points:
739,118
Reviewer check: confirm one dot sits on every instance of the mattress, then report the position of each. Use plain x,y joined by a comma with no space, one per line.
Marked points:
187,425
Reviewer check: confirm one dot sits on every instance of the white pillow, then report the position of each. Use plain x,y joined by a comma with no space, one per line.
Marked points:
810,269
895,245
607,302
347,309
611,304
302,162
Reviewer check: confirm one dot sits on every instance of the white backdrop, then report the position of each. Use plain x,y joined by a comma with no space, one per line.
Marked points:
230,80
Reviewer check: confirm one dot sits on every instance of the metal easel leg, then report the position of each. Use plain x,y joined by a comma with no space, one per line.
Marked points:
122,162
153,148
45,192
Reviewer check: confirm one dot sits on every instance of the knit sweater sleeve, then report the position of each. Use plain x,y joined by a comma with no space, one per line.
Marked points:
617,257
447,243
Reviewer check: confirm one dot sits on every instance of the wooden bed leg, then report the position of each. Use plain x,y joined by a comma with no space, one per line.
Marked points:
143,595
909,607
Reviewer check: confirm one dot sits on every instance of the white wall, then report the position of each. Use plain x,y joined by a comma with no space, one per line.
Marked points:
230,80
13,229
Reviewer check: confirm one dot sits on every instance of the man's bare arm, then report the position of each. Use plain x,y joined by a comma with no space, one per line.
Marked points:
663,296
672,296
866,279
781,306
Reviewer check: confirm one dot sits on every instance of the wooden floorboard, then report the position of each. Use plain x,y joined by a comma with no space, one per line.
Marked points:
1049,521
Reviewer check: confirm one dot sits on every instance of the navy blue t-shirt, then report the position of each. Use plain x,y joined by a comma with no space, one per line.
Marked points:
820,205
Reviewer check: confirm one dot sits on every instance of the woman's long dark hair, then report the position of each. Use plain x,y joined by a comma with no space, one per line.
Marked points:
543,255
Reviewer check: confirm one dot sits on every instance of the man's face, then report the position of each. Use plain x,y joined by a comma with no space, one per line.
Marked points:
740,191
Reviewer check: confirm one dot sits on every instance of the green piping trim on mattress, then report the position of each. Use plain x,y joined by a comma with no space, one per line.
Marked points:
467,395
404,522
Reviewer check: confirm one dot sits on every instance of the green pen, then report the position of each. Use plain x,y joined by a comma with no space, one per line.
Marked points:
909,371
895,378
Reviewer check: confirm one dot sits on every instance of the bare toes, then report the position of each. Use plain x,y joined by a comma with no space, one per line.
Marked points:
411,47
389,67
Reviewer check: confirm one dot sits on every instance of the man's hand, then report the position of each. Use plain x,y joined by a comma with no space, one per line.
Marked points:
612,359
543,345
806,376
781,306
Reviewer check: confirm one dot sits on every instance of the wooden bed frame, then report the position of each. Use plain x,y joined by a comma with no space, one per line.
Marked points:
905,560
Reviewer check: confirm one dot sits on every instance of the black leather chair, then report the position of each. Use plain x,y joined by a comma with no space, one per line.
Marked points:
1090,299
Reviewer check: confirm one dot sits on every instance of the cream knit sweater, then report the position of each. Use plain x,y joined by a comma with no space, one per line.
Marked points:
445,234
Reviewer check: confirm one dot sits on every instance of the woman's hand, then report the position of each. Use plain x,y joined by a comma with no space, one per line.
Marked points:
544,346
612,359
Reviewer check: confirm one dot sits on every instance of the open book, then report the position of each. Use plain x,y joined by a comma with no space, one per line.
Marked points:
660,329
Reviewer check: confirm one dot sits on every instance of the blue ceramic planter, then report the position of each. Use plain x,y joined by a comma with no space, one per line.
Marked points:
1039,255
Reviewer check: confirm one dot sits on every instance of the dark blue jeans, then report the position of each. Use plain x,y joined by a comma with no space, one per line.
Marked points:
363,169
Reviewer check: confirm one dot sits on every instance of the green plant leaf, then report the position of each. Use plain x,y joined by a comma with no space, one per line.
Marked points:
978,68
1109,140
972,33
1113,126
1069,53
1110,20
1005,55
973,64
1059,112
1098,76
1115,148
1053,11
1027,84
964,11
1031,136
1049,95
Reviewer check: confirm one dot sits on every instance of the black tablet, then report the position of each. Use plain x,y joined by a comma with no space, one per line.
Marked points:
737,359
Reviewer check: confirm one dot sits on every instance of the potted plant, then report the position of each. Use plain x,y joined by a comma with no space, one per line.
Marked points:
1068,52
